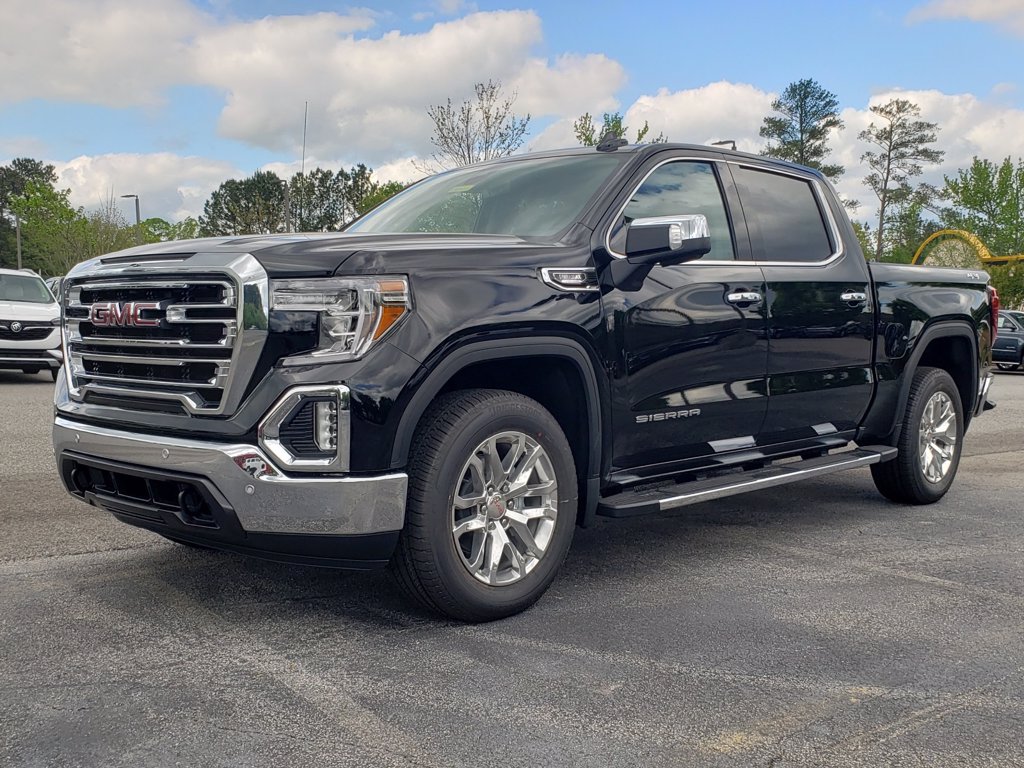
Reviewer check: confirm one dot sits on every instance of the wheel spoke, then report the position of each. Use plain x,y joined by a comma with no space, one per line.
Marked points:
525,536
496,546
494,463
476,559
536,489
477,523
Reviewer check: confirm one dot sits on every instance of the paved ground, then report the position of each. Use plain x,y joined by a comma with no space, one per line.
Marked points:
815,625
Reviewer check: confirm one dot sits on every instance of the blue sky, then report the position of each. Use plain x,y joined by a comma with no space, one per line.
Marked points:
167,98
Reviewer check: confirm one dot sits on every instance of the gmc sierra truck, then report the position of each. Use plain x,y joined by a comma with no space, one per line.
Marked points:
505,351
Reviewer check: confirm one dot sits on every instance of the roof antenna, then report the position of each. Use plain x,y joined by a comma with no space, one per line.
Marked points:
610,142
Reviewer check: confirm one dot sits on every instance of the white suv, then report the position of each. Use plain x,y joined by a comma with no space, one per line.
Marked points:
29,323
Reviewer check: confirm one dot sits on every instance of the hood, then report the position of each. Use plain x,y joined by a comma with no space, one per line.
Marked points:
323,254
368,254
25,310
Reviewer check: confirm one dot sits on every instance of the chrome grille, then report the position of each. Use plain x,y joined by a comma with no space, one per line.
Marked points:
182,344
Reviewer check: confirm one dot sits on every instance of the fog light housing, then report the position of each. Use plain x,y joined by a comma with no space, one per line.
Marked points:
307,429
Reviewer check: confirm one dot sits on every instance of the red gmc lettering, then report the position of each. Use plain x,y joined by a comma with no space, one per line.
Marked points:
112,314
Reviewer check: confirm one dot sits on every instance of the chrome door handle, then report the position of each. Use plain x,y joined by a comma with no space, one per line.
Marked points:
744,297
853,297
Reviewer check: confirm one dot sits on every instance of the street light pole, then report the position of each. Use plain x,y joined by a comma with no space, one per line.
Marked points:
724,142
138,220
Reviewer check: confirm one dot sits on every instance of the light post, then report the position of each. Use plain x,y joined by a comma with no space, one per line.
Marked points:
138,220
723,142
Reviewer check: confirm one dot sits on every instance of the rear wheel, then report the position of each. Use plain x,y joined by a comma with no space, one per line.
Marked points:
492,505
930,442
54,372
30,371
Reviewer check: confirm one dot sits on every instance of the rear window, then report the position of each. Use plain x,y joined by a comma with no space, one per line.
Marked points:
783,217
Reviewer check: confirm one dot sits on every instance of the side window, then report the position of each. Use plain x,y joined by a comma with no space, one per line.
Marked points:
1006,324
783,217
679,188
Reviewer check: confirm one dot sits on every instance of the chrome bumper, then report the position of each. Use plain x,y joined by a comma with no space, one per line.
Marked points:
263,498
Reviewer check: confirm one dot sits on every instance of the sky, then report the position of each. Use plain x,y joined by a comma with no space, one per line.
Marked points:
168,98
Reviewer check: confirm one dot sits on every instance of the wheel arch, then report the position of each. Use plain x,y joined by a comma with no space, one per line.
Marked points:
568,370
951,345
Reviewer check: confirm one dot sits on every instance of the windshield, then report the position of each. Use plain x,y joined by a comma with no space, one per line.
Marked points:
27,288
536,197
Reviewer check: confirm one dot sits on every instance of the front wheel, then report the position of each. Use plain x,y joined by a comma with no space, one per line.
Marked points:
930,442
491,508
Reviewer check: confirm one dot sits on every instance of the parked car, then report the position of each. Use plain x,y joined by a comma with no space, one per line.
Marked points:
53,284
1008,350
507,350
29,323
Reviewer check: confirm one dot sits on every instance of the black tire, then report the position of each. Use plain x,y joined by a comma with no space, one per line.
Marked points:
904,479
428,564
31,371
54,372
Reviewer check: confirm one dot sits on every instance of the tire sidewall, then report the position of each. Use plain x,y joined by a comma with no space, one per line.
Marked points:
934,381
437,506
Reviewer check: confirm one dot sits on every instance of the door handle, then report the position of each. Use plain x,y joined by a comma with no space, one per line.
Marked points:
853,297
744,297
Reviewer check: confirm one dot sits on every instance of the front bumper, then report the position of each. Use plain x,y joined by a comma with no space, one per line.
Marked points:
223,496
26,357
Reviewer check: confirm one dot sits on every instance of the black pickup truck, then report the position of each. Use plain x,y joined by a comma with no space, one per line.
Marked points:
505,351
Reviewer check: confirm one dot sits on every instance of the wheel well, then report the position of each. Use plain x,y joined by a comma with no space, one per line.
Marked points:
954,355
555,383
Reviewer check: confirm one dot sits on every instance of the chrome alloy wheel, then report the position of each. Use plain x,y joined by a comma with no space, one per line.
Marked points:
937,437
504,508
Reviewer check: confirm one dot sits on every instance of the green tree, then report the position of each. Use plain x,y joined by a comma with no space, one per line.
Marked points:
57,235
14,179
988,199
902,144
254,205
378,195
481,128
806,116
589,135
157,230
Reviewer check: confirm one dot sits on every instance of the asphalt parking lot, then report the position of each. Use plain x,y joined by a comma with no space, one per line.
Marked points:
811,625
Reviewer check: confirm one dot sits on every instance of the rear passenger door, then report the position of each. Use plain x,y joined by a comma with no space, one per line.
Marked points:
819,301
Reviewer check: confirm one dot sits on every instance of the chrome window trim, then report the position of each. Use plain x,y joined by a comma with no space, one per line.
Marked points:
252,286
622,210
816,189
819,195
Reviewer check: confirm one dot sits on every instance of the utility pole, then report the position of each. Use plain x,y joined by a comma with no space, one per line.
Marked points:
17,236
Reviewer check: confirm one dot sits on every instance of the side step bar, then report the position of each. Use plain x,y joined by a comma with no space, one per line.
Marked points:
635,503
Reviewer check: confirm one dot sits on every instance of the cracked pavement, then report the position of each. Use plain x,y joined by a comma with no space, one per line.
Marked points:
809,625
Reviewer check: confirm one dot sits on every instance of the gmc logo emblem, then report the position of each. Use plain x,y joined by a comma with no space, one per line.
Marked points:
111,314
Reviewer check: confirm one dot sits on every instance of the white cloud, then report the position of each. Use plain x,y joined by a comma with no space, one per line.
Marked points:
169,186
713,112
105,52
367,94
968,127
1007,14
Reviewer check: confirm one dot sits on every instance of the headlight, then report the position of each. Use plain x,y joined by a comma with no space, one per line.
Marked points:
352,313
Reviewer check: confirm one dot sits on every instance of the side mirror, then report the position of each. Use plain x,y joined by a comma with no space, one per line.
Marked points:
668,239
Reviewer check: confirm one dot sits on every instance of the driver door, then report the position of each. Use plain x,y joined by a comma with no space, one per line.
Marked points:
691,352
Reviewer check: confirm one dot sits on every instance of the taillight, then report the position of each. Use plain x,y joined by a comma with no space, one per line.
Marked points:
993,302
